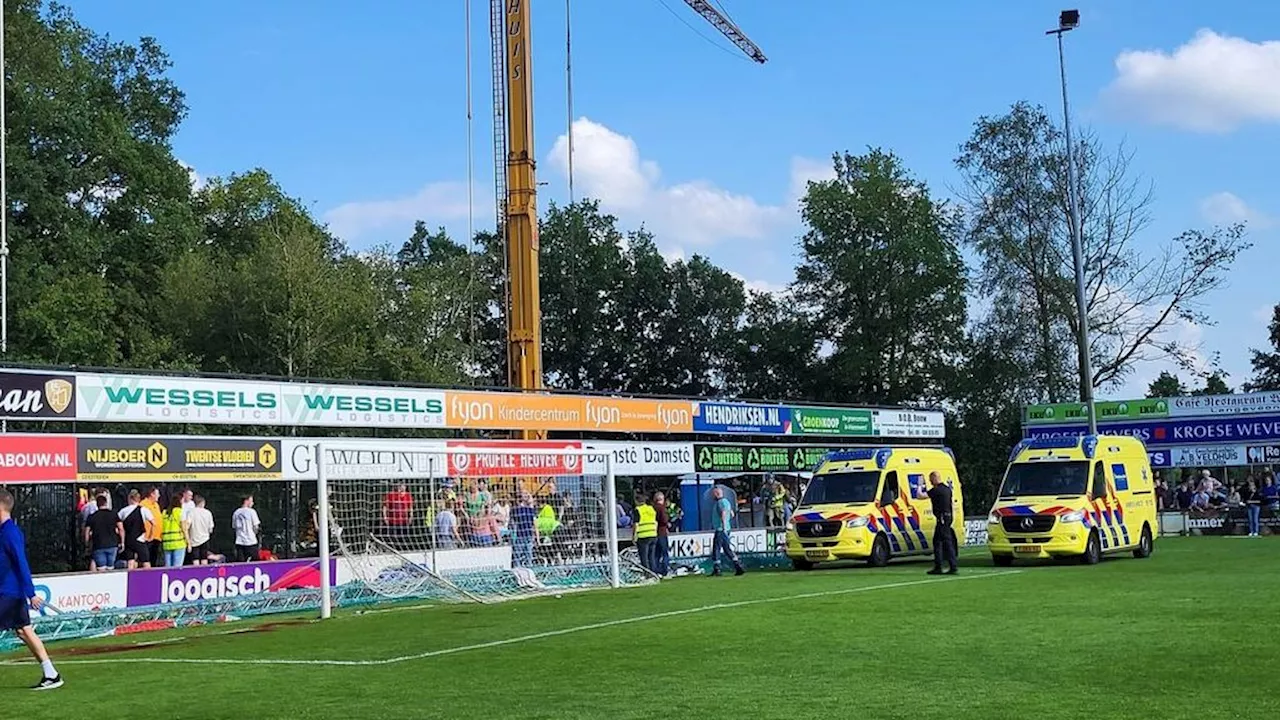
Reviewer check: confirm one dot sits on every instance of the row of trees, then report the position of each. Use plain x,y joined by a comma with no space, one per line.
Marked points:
118,261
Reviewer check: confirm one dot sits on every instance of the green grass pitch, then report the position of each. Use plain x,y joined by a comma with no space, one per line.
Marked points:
1188,633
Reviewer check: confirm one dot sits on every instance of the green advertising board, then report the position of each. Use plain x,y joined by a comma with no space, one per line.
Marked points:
732,458
831,421
1108,411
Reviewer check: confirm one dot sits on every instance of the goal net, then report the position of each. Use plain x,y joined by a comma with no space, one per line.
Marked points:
472,523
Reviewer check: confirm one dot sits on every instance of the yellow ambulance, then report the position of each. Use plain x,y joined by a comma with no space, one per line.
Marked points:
871,504
1081,497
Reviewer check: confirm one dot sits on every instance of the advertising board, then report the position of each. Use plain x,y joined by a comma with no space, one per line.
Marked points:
726,458
75,592
504,458
189,458
570,413
642,458
37,396
160,586
1173,432
37,458
1191,406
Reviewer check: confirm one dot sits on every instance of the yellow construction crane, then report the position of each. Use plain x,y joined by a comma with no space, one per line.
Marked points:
517,186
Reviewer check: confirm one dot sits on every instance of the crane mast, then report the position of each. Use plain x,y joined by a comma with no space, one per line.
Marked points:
516,180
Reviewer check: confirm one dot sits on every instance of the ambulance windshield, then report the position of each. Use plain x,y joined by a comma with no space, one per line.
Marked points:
842,487
1047,478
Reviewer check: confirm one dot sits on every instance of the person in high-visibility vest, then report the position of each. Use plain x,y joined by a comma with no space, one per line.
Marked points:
175,533
646,532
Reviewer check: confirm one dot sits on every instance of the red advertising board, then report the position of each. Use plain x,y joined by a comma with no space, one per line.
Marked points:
37,459
488,458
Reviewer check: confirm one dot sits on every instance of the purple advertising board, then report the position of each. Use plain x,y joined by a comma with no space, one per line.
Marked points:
1172,431
160,586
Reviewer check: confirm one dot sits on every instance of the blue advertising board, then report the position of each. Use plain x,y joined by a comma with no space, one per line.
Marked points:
1177,431
740,418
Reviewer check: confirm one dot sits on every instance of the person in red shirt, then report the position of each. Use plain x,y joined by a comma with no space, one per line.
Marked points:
397,511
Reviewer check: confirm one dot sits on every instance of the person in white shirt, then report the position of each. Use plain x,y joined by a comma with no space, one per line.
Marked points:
137,520
201,530
188,504
246,524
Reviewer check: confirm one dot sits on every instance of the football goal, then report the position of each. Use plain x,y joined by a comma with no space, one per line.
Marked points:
479,523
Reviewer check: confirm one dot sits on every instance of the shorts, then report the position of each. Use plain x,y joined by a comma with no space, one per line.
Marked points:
137,551
105,558
200,552
14,614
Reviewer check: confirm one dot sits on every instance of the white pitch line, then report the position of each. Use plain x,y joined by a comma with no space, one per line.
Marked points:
514,640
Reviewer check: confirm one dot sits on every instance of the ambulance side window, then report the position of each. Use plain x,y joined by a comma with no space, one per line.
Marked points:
1099,481
890,494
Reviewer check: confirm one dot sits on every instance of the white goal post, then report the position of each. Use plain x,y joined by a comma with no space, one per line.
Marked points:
467,521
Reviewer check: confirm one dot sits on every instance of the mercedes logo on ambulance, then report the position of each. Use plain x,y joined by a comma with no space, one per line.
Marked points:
1028,523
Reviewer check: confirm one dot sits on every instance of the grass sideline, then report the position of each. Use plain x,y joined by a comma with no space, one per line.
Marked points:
1125,639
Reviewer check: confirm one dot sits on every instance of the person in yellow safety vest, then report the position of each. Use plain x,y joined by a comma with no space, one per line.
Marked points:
646,533
777,504
175,533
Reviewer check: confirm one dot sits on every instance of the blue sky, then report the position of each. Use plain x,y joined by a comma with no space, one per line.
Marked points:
362,112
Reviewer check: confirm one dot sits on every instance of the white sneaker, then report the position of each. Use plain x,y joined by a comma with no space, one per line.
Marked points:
52,683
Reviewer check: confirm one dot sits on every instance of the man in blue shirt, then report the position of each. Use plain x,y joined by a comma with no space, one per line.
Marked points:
722,523
17,590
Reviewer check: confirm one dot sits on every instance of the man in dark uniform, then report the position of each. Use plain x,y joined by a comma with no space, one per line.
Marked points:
944,536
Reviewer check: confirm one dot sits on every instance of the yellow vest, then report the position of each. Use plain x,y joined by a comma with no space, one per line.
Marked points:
647,526
173,538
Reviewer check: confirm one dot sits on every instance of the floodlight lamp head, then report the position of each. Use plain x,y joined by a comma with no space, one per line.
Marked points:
1069,20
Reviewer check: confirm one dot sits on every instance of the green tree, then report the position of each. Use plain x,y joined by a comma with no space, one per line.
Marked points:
701,328
883,281
1266,364
98,205
775,349
1214,384
1015,192
1167,385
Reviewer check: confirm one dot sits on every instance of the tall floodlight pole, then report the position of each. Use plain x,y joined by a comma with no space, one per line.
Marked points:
4,205
1068,20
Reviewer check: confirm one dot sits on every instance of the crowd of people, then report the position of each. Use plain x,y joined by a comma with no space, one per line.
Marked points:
142,534
1204,494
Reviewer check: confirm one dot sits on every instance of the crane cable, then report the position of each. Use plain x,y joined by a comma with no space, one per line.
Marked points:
471,212
568,81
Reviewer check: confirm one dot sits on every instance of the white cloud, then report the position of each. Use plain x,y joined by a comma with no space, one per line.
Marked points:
761,286
805,171
1264,314
197,182
607,165
1224,208
434,204
1213,83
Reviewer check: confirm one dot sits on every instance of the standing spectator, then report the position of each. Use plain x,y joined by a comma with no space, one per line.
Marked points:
137,521
662,554
176,533
1253,505
646,532
17,591
1184,495
484,527
104,535
155,533
502,516
1270,493
1200,500
246,525
775,501
722,523
188,502
945,543
523,534
1161,492
448,536
397,511
200,531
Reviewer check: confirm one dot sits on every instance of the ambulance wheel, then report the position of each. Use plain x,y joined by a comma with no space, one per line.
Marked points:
1092,550
1002,560
879,552
1145,544
798,564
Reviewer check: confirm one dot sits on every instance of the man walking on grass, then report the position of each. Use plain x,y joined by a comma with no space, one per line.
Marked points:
722,523
17,591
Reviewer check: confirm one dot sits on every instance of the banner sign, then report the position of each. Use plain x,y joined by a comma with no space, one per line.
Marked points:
82,591
1263,454
1192,406
642,458
26,396
503,458
823,421
1179,431
1208,456
734,418
119,397
692,546
188,458
28,459
528,411
756,458
161,586
975,531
